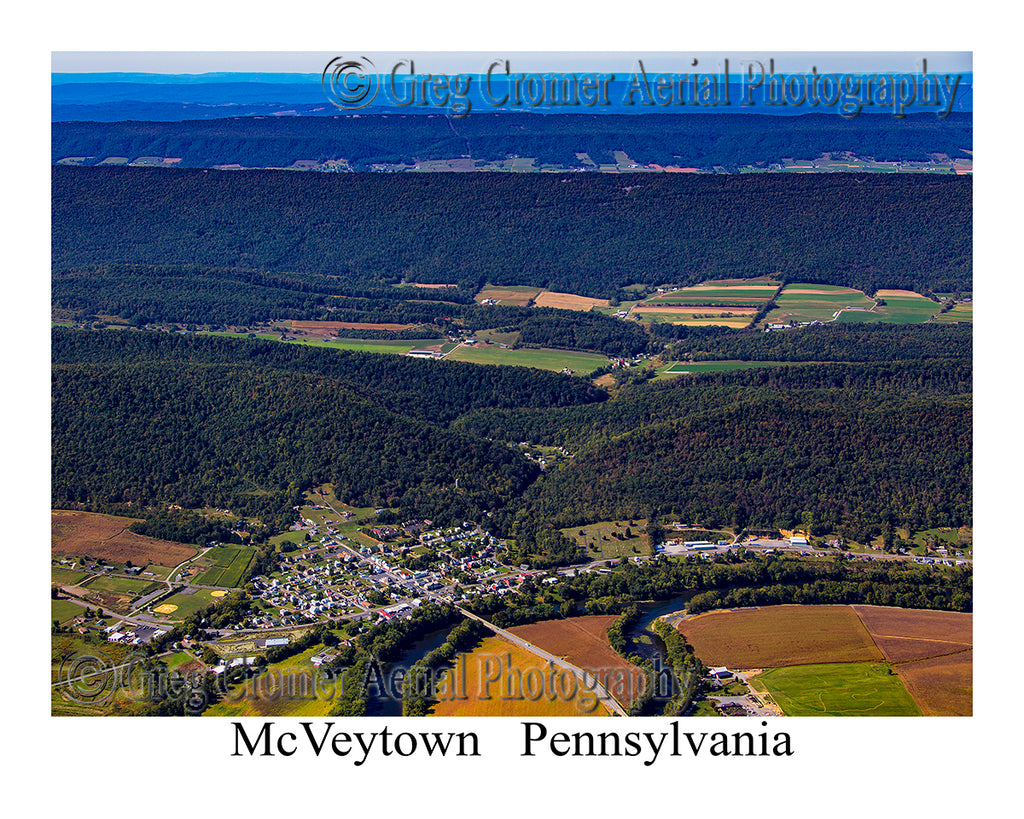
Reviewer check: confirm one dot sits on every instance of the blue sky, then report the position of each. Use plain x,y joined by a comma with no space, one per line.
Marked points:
312,62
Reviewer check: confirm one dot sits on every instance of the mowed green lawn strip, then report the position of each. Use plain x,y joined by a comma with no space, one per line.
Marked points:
542,359
838,689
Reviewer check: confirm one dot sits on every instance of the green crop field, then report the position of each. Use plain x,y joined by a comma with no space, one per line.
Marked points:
905,307
228,565
838,689
962,312
796,303
542,359
691,367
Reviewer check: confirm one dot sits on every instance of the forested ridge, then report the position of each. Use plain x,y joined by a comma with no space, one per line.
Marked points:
156,418
692,140
589,234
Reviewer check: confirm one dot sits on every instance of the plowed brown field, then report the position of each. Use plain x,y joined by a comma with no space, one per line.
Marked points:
583,641
776,636
93,535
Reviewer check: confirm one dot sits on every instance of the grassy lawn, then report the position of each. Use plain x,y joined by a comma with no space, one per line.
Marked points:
66,577
64,610
542,359
838,689
118,585
186,604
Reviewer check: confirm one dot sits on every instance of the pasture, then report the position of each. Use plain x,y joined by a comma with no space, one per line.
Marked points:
838,689
94,535
498,679
610,539
540,358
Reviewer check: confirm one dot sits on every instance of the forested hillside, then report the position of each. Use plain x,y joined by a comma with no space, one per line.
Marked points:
589,234
691,140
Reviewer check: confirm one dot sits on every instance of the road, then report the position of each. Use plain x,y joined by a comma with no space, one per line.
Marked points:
590,682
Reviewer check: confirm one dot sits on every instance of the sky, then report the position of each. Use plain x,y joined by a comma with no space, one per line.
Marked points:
312,62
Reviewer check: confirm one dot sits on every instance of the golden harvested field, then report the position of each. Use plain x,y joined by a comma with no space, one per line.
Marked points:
499,679
583,641
567,301
107,536
941,686
509,295
905,635
326,328
776,636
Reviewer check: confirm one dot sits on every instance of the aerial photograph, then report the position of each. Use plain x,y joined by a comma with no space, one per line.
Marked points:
517,384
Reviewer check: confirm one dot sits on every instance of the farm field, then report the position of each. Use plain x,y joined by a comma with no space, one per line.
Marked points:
735,317
929,653
962,312
496,657
734,292
906,306
222,566
542,359
692,367
567,301
365,345
838,689
818,302
583,641
913,634
941,686
776,636
326,328
602,540
94,535
513,295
